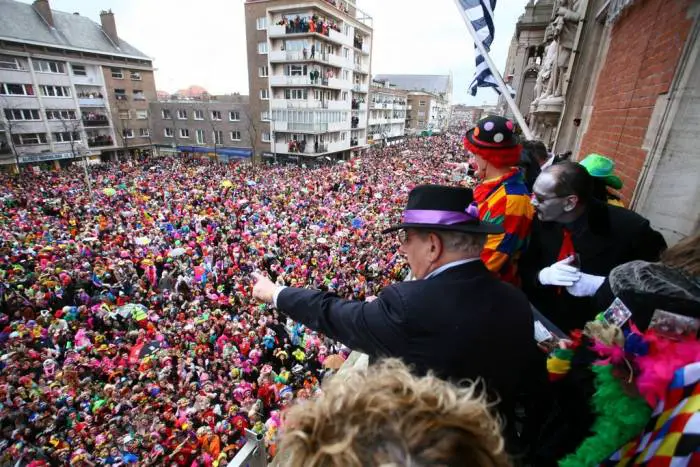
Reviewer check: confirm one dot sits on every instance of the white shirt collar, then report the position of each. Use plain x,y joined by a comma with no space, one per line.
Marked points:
447,266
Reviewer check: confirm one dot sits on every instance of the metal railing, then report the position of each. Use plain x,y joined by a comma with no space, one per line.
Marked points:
252,454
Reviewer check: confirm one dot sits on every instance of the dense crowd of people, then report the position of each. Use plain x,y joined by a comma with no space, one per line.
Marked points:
128,332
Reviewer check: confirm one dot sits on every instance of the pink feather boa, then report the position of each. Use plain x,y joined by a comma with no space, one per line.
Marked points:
657,367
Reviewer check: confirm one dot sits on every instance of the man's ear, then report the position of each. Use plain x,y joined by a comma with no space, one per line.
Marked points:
570,203
435,246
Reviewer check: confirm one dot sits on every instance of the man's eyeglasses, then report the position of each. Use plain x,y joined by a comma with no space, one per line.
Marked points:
535,198
403,236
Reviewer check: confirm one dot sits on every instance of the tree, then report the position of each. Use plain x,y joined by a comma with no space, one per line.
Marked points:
71,126
214,130
9,126
253,130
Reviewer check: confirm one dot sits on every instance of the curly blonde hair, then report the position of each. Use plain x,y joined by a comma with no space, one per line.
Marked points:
385,416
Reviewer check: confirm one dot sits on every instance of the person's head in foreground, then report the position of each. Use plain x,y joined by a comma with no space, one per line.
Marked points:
385,416
440,225
494,146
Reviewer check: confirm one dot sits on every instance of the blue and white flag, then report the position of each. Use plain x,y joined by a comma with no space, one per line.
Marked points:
480,13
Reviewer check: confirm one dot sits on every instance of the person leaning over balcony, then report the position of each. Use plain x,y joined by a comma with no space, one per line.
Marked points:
502,195
448,320
359,421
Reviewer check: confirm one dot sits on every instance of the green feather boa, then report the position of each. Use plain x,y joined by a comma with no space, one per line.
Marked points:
620,417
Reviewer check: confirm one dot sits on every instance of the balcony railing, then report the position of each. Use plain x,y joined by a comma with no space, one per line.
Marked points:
280,126
95,122
360,88
91,102
100,141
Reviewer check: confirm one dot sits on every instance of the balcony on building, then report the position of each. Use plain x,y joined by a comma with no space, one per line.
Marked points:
94,119
304,29
309,148
307,104
360,88
90,96
98,139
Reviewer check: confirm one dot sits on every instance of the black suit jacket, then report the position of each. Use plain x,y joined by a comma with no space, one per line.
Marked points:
462,324
608,237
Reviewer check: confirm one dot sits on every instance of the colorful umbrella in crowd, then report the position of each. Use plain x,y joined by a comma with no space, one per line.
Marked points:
109,191
227,183
175,252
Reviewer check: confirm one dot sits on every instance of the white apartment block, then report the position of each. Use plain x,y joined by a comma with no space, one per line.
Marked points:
47,103
317,73
387,113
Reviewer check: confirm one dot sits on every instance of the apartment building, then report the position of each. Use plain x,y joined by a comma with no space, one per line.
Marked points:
429,100
387,113
217,126
69,87
309,73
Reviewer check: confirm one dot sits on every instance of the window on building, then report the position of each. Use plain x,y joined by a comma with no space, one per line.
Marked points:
218,136
265,137
10,89
166,114
184,133
264,94
78,70
8,62
21,139
346,52
296,70
342,136
265,116
168,132
199,136
142,114
421,103
22,114
346,75
421,113
261,23
198,114
117,73
263,71
262,48
128,133
144,132
120,94
56,114
135,75
54,91
66,136
235,135
234,115
139,95
216,115
45,66
181,114
295,94
124,114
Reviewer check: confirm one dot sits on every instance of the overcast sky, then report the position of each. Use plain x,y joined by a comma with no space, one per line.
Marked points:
203,42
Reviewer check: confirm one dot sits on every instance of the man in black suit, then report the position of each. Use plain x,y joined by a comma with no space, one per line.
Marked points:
575,242
456,319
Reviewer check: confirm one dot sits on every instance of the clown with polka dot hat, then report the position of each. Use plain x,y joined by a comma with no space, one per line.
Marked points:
502,195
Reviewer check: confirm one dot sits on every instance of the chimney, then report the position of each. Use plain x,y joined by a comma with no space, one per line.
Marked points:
44,9
109,26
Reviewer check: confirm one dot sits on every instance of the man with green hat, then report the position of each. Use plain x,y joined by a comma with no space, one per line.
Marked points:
602,169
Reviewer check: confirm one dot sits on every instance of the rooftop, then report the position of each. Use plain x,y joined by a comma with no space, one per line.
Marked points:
22,23
436,84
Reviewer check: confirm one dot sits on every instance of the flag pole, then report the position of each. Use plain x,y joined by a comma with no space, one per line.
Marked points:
496,74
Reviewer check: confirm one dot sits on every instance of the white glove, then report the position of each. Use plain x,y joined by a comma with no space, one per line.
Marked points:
586,286
561,274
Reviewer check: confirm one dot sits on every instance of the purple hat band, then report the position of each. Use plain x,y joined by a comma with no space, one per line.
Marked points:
437,217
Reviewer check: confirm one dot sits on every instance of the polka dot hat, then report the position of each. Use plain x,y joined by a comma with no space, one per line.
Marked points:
493,140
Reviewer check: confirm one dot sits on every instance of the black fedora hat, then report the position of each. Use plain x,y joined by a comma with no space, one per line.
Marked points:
439,207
